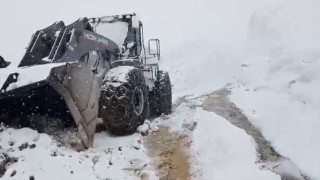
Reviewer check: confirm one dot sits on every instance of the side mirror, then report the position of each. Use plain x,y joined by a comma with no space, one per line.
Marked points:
154,47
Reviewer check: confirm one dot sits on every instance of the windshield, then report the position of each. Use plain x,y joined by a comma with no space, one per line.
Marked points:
116,31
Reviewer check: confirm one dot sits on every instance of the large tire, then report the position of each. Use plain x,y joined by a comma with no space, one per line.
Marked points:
161,96
124,105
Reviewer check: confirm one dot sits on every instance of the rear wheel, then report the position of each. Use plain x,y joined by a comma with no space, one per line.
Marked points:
124,102
161,96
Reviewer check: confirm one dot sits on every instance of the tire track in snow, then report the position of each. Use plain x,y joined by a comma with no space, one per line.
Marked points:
168,150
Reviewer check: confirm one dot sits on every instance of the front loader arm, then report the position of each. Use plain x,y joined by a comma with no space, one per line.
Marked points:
60,43
84,41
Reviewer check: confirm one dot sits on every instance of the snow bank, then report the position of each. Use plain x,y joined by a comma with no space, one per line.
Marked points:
223,151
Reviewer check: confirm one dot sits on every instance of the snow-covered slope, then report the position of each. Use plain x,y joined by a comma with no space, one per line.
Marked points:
274,75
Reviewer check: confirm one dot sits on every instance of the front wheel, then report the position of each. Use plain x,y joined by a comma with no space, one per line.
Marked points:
123,100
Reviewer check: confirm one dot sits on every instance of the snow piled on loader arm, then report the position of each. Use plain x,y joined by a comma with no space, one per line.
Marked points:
27,75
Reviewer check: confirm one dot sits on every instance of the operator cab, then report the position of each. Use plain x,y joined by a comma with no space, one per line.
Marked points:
126,31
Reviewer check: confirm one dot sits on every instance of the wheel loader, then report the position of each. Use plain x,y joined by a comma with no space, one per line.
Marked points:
93,69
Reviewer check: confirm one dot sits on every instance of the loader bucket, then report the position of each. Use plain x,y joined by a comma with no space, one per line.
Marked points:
55,94
37,99
34,99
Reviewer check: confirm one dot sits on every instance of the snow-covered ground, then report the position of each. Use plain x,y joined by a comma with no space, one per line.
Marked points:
110,157
268,51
